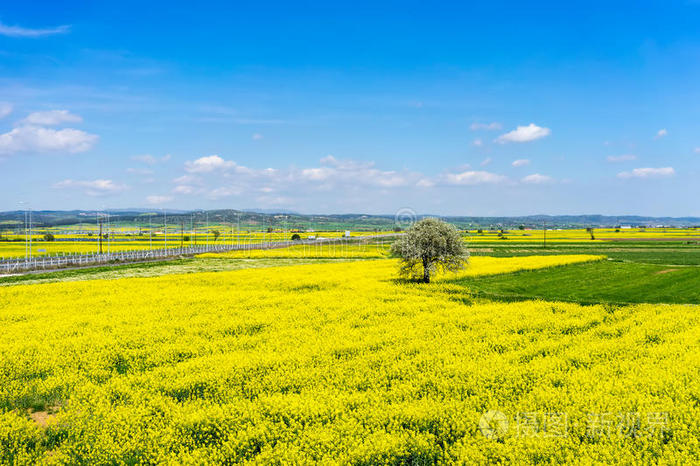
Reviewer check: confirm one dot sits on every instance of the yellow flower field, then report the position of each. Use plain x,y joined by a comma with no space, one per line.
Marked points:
321,250
480,265
125,242
120,243
340,363
580,235
484,265
42,248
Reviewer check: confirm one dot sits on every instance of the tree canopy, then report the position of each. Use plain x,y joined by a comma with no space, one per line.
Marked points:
430,245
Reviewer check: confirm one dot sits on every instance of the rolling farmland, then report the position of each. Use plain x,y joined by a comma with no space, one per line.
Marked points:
339,362
349,233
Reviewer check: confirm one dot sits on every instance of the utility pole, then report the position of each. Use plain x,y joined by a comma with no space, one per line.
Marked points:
99,240
109,235
98,219
544,235
182,234
26,244
30,232
165,221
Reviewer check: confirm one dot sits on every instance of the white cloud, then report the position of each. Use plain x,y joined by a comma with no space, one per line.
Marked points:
331,174
697,150
275,200
99,187
155,200
478,142
188,179
661,133
473,178
257,136
224,191
17,31
183,189
5,109
149,159
486,161
208,164
485,126
37,139
520,162
214,177
329,160
661,172
621,158
524,134
388,179
536,178
337,172
52,118
317,174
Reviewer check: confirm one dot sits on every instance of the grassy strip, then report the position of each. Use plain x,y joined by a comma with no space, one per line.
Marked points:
594,282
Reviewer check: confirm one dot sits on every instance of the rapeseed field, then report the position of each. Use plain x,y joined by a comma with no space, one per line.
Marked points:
81,243
340,363
320,251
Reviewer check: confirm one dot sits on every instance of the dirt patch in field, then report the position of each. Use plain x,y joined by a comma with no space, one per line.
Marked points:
44,418
666,271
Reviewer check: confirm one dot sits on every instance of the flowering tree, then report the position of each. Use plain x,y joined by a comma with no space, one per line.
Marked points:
430,245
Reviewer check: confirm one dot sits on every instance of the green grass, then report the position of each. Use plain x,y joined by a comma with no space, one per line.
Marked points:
594,282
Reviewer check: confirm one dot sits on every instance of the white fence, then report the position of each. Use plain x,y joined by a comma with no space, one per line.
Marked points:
50,262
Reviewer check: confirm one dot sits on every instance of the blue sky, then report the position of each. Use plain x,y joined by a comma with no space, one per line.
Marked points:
494,108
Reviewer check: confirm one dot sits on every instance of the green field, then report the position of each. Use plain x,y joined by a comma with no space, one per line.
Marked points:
599,282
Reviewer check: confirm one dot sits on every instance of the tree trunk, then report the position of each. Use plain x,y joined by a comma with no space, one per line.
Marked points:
426,271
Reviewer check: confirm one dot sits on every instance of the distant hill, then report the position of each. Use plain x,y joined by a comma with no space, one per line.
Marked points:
290,220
